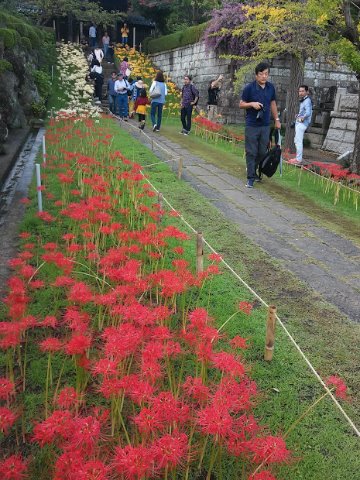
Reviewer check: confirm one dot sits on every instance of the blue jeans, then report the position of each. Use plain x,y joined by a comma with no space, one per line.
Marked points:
123,104
156,107
186,113
256,143
124,40
106,48
112,103
92,41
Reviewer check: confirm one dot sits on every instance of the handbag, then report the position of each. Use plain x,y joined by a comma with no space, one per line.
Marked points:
127,72
155,92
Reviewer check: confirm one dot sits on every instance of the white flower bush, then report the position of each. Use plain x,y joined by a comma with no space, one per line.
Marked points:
77,92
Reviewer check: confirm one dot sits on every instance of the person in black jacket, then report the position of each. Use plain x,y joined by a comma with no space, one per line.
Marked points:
213,92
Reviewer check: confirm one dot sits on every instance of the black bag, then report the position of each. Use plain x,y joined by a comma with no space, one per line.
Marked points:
269,164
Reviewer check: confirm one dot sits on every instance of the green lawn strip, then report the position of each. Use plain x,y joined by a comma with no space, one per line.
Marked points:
307,195
323,441
331,345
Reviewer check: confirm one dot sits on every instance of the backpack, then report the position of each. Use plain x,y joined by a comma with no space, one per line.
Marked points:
269,164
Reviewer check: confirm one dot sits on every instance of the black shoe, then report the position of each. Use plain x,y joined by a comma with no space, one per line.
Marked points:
154,128
257,178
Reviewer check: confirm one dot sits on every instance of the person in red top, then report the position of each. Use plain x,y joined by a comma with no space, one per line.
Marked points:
140,107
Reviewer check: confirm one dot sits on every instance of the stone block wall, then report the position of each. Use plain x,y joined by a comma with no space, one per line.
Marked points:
323,78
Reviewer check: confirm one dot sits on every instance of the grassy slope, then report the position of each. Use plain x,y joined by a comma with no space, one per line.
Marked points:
307,195
324,443
330,340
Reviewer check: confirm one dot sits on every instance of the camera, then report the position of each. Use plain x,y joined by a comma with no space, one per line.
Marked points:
260,114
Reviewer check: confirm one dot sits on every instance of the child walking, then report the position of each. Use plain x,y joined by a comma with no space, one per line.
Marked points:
140,107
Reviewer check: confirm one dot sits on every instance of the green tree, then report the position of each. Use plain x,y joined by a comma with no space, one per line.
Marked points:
341,18
85,10
272,28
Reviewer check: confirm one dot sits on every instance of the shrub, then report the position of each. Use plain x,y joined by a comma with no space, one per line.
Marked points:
43,83
25,42
182,38
5,66
38,108
8,36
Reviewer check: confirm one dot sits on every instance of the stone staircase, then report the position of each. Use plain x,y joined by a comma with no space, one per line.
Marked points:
108,68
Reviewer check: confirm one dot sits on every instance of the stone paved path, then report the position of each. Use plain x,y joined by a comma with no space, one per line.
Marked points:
325,260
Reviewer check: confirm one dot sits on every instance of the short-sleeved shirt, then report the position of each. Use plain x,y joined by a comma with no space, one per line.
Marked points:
254,93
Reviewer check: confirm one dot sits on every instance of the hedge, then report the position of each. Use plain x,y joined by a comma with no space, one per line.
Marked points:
182,38
9,37
5,66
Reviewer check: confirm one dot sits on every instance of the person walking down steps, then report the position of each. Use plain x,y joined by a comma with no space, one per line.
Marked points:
140,107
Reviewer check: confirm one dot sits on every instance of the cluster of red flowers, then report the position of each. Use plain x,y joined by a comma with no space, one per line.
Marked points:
218,128
167,385
335,171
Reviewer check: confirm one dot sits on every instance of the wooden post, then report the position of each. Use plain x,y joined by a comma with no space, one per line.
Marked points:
160,202
199,253
180,168
270,333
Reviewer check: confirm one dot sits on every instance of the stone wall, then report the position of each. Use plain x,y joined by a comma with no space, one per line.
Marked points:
341,134
323,78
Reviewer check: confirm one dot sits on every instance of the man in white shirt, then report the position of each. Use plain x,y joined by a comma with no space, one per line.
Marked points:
121,88
92,35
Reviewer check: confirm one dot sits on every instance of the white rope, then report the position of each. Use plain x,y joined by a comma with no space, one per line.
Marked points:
246,285
256,295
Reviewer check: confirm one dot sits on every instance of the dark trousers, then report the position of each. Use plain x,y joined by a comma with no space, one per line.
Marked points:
141,117
156,110
256,142
98,88
186,113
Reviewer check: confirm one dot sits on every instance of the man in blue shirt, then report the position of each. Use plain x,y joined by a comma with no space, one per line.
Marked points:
302,121
259,100
112,96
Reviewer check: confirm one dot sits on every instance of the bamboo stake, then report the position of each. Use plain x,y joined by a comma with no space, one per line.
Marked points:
180,168
44,149
38,185
270,333
199,253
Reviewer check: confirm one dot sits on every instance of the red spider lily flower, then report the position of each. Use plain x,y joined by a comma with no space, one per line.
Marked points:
268,449
25,201
172,232
50,344
147,421
138,390
170,450
121,342
45,216
215,421
51,246
85,434
264,475
215,257
7,388
239,342
69,465
13,468
68,237
133,463
227,363
63,281
26,255
94,470
178,250
10,334
105,367
245,307
15,262
340,387
67,398
27,271
245,427
78,344
24,235
54,427
174,213
7,419
235,396
172,349
36,284
49,321
29,246
151,370
84,362
169,409
199,318
80,293
76,319
195,388
41,188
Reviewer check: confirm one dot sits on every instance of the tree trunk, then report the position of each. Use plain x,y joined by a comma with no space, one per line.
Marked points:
292,99
355,162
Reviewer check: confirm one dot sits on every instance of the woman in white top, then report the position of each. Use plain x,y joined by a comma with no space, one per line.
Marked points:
158,92
96,71
99,54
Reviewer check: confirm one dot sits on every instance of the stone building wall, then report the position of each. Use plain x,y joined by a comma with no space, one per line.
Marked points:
323,78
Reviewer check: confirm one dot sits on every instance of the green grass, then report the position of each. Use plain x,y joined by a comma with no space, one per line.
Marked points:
307,194
323,442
